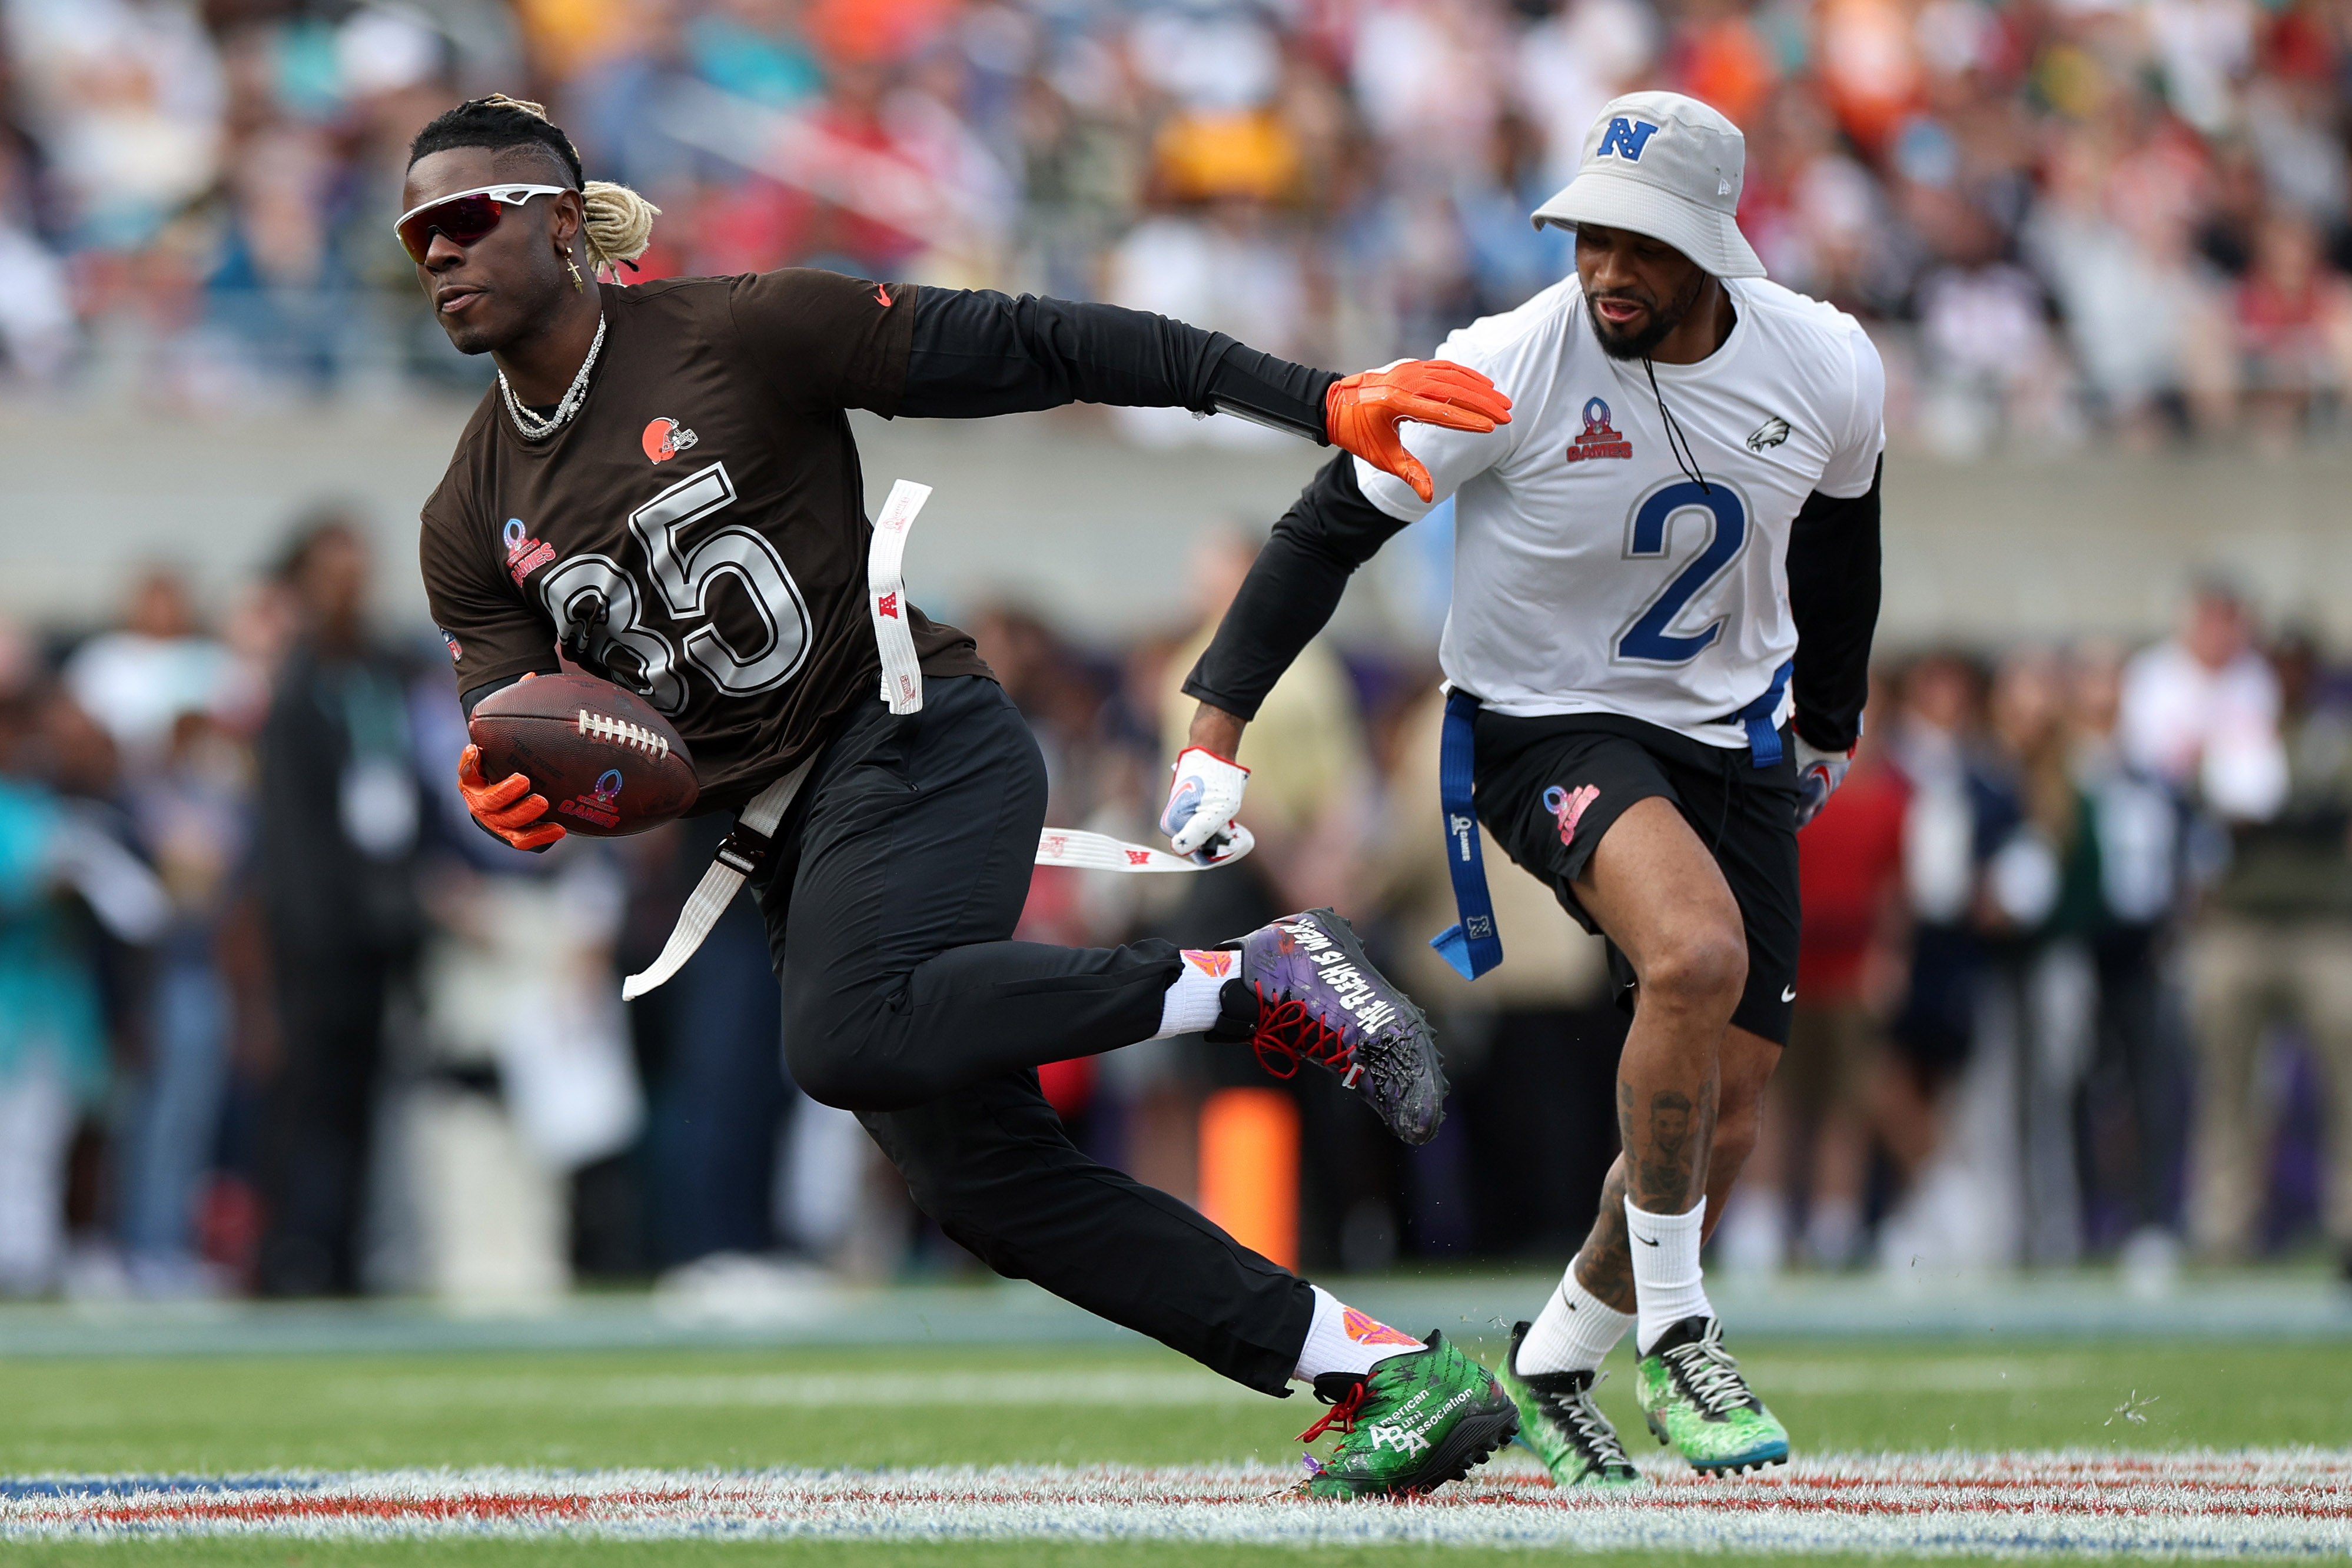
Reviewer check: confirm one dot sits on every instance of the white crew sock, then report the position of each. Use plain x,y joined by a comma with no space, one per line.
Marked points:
1574,1333
1341,1339
1191,1005
1667,1287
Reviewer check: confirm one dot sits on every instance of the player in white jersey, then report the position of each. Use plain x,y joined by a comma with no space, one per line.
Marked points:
1665,583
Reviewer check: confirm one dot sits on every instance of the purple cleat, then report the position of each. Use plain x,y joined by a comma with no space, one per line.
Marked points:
1306,991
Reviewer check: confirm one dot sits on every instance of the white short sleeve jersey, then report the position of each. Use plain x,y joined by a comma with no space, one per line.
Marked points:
1590,573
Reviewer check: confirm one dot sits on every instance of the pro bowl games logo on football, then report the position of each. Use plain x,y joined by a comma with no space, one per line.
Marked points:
666,439
597,808
1600,438
525,554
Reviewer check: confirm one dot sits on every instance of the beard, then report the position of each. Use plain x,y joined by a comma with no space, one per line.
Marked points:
1621,344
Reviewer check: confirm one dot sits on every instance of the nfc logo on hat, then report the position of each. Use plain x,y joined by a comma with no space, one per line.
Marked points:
1625,139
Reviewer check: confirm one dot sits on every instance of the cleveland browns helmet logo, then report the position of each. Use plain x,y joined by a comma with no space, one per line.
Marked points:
666,439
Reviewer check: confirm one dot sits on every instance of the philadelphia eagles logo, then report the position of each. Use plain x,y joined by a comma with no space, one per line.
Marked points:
1771,433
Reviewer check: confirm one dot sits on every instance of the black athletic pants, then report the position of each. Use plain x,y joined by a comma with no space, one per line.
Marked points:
890,896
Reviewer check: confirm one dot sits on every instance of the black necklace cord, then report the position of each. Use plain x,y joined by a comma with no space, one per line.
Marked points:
1677,441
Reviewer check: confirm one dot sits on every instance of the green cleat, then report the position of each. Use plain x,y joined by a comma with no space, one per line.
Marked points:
1692,1392
1413,1423
1566,1430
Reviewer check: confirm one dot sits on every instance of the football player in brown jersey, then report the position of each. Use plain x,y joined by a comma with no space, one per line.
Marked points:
663,483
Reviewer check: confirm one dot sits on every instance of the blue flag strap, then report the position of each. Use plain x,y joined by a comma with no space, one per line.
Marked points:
1763,735
1473,946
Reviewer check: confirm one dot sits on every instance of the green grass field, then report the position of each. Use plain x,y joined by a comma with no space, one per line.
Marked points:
750,1410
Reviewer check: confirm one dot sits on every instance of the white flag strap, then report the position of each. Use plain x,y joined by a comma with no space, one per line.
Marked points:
886,597
738,858
1085,851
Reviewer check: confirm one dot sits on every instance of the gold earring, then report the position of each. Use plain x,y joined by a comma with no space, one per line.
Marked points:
574,268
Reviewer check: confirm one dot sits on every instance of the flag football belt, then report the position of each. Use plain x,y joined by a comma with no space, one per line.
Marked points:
1472,945
902,689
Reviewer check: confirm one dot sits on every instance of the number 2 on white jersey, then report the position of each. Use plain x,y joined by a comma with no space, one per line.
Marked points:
1646,639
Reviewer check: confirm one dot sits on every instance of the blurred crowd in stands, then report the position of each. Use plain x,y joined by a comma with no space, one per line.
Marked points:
2061,218
2076,979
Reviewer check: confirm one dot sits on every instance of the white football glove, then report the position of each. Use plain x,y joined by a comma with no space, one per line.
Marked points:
1203,802
1819,773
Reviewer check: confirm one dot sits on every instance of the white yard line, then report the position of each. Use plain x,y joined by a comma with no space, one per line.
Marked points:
1182,1386
2286,1502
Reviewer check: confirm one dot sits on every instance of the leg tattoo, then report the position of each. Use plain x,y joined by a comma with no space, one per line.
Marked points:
1670,1152
1667,1152
1605,1266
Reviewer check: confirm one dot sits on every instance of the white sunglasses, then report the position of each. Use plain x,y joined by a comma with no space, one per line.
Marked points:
464,217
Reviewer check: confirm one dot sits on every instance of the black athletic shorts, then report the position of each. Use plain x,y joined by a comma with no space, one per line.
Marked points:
1550,788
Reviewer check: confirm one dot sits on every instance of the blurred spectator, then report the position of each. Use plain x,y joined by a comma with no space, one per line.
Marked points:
1933,745
1993,372
68,889
2040,905
1809,1169
53,1035
125,99
140,680
1575,60
38,330
339,808
2200,711
2295,328
2139,1078
193,811
2110,233
2274,945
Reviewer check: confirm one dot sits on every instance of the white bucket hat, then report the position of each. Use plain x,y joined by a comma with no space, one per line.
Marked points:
1667,167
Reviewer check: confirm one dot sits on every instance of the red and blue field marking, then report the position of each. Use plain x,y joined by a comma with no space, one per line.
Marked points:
2275,1502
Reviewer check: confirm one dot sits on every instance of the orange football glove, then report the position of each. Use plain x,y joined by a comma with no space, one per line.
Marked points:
508,807
1361,411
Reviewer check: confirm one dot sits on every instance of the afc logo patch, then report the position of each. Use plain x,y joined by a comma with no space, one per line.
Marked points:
1600,438
1625,139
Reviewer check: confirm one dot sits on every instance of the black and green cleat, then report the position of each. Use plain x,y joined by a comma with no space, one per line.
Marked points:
1562,1427
1695,1398
1413,1423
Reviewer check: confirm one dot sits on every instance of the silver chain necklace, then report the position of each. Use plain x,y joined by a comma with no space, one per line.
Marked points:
530,426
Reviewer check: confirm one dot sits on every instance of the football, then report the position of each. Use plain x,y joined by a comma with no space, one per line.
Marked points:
608,764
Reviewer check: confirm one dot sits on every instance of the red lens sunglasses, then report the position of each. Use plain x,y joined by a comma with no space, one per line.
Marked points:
464,217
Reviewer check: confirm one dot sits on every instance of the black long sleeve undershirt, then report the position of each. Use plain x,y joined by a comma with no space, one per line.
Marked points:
977,353
1292,590
1290,594
1833,585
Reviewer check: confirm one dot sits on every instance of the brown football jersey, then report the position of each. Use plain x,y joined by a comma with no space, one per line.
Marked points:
697,531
